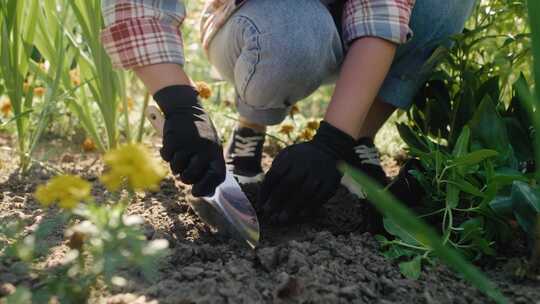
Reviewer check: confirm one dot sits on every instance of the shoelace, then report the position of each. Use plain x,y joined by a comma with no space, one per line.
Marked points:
368,155
245,146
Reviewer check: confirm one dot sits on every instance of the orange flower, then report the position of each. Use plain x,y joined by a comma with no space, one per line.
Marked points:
306,135
88,145
39,91
294,110
6,107
286,129
130,105
313,125
75,76
204,89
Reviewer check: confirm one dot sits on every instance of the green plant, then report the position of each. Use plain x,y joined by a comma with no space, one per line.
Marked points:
106,86
103,240
471,139
471,136
18,22
413,228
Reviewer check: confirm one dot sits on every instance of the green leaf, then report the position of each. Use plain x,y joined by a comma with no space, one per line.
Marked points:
462,144
506,176
410,138
22,295
489,87
473,232
395,230
520,139
467,187
488,129
474,158
402,216
412,269
438,108
502,205
518,108
465,104
452,192
526,205
395,251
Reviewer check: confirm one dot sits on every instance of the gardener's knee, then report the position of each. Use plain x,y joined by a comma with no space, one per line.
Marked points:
274,64
277,73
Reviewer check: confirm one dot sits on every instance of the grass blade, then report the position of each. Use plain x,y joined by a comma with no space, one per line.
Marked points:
402,216
534,19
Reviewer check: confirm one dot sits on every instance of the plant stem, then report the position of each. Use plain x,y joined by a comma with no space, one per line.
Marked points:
143,118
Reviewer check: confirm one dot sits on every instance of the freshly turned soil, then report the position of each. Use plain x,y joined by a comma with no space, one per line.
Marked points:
331,259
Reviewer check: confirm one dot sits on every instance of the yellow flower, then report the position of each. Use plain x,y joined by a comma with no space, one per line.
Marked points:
132,163
88,145
286,129
44,66
39,91
204,89
306,135
294,110
313,125
6,107
67,190
75,76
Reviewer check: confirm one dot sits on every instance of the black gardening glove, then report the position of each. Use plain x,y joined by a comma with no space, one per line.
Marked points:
190,141
305,176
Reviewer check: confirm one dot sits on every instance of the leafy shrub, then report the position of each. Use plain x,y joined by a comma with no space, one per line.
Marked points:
102,239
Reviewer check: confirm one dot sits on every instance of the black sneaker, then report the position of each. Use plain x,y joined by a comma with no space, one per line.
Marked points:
243,155
366,159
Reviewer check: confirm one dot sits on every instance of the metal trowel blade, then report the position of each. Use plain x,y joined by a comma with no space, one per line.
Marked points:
228,211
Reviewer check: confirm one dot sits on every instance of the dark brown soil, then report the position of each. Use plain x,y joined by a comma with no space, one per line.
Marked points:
330,260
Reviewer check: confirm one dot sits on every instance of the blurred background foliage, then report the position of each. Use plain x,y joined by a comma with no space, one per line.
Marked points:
99,107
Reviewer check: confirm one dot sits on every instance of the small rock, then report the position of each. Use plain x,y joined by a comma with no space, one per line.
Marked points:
289,288
267,257
6,289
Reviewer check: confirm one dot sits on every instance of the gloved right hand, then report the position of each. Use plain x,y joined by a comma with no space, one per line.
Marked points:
190,141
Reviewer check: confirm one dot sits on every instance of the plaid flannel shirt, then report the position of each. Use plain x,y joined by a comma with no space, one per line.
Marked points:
145,32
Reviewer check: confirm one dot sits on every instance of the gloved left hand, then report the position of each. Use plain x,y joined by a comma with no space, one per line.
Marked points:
305,176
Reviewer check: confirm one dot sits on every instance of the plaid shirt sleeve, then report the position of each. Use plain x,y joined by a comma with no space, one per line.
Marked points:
143,32
386,19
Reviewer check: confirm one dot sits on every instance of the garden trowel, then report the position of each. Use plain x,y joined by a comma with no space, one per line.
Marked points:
228,211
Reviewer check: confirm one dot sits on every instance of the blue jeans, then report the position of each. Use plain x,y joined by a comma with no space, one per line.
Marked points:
277,52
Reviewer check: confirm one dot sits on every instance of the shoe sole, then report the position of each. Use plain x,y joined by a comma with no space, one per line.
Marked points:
244,180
